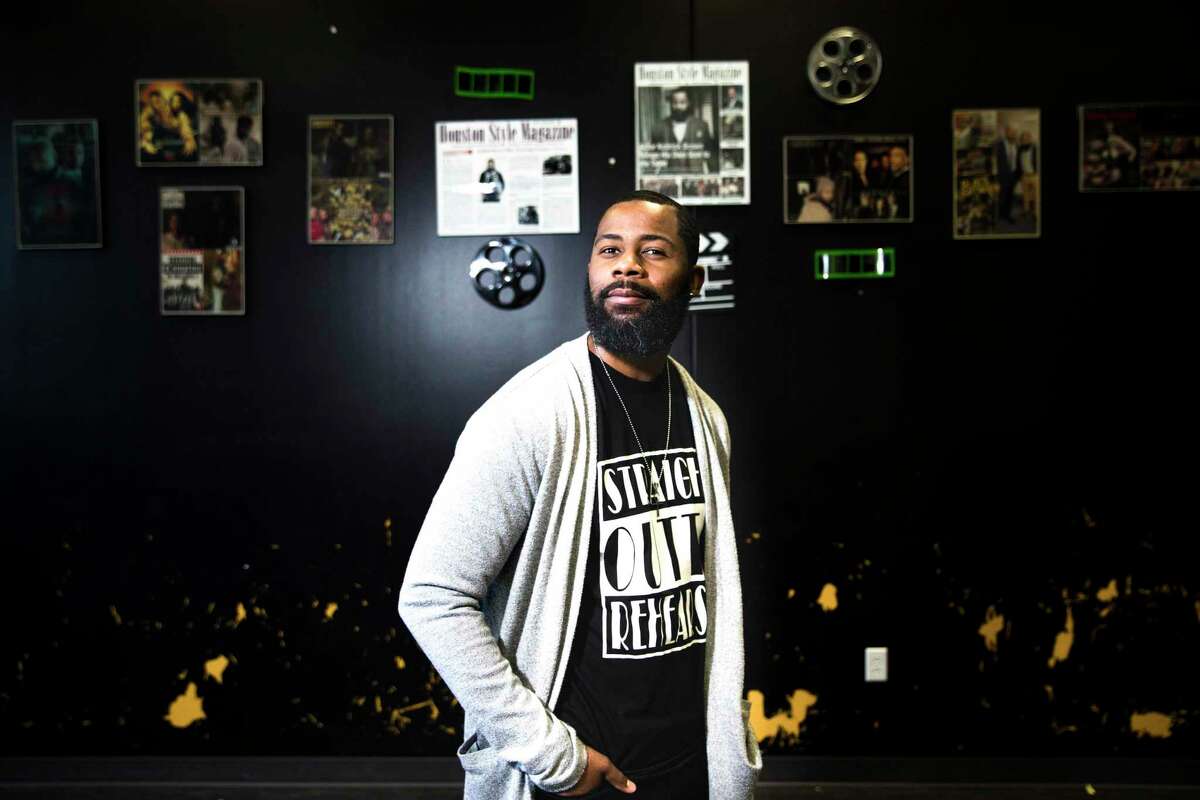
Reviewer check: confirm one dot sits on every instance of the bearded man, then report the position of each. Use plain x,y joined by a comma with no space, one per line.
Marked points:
575,582
683,138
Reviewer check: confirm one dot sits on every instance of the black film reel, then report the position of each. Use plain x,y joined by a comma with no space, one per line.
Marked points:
507,272
844,65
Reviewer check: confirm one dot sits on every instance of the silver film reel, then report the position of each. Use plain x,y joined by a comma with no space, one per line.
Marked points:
507,272
844,65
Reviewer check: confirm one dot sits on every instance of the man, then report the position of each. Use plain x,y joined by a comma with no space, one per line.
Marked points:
684,139
733,99
493,183
243,148
575,582
1008,172
818,205
899,181
1027,154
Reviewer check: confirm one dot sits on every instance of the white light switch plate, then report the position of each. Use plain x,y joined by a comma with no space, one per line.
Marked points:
877,664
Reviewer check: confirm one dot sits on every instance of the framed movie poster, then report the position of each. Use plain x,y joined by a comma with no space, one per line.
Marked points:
1139,148
692,128
351,196
847,179
202,250
57,177
201,122
997,173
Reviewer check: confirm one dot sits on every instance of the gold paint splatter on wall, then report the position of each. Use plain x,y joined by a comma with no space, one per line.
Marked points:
186,708
1049,692
239,615
215,668
792,593
400,664
330,610
1152,723
828,599
1108,593
115,614
1063,641
990,629
783,725
400,718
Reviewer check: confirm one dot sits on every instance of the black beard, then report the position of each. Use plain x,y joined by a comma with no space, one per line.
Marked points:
679,116
643,334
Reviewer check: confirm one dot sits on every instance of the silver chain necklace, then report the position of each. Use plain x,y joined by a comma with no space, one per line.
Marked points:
655,489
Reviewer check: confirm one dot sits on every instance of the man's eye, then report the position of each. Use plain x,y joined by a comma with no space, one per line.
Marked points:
654,251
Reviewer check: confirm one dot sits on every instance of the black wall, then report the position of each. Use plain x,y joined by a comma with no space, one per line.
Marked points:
1003,426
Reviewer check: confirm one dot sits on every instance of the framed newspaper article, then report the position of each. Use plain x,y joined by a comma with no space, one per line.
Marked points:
198,122
514,176
847,179
692,129
1143,147
351,191
57,176
202,250
997,168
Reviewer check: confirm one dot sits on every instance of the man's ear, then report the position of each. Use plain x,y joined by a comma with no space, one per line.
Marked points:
697,280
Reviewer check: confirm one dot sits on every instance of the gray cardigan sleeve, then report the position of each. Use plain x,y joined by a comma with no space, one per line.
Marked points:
478,516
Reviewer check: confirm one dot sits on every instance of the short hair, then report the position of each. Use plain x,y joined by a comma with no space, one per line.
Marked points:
685,220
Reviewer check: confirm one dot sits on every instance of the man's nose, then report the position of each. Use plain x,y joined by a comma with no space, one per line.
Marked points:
629,263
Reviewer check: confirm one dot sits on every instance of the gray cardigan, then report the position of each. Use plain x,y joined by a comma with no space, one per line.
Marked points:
493,585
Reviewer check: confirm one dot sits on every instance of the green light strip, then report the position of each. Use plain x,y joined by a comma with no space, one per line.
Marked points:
494,84
878,262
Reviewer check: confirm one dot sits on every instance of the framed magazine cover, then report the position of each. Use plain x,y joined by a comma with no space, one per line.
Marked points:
198,122
202,250
1139,147
56,177
351,191
996,178
692,130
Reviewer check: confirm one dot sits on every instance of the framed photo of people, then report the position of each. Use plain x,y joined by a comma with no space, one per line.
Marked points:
199,122
57,176
351,192
692,128
202,250
834,179
997,173
1139,148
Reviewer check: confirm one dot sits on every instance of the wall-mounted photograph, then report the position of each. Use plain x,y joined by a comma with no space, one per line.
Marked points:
57,179
1139,148
203,122
351,194
847,179
202,250
997,173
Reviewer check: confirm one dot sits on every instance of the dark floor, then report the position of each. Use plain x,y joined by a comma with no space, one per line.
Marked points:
766,791
72,778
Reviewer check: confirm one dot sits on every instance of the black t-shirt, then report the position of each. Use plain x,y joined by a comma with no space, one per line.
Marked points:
634,688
